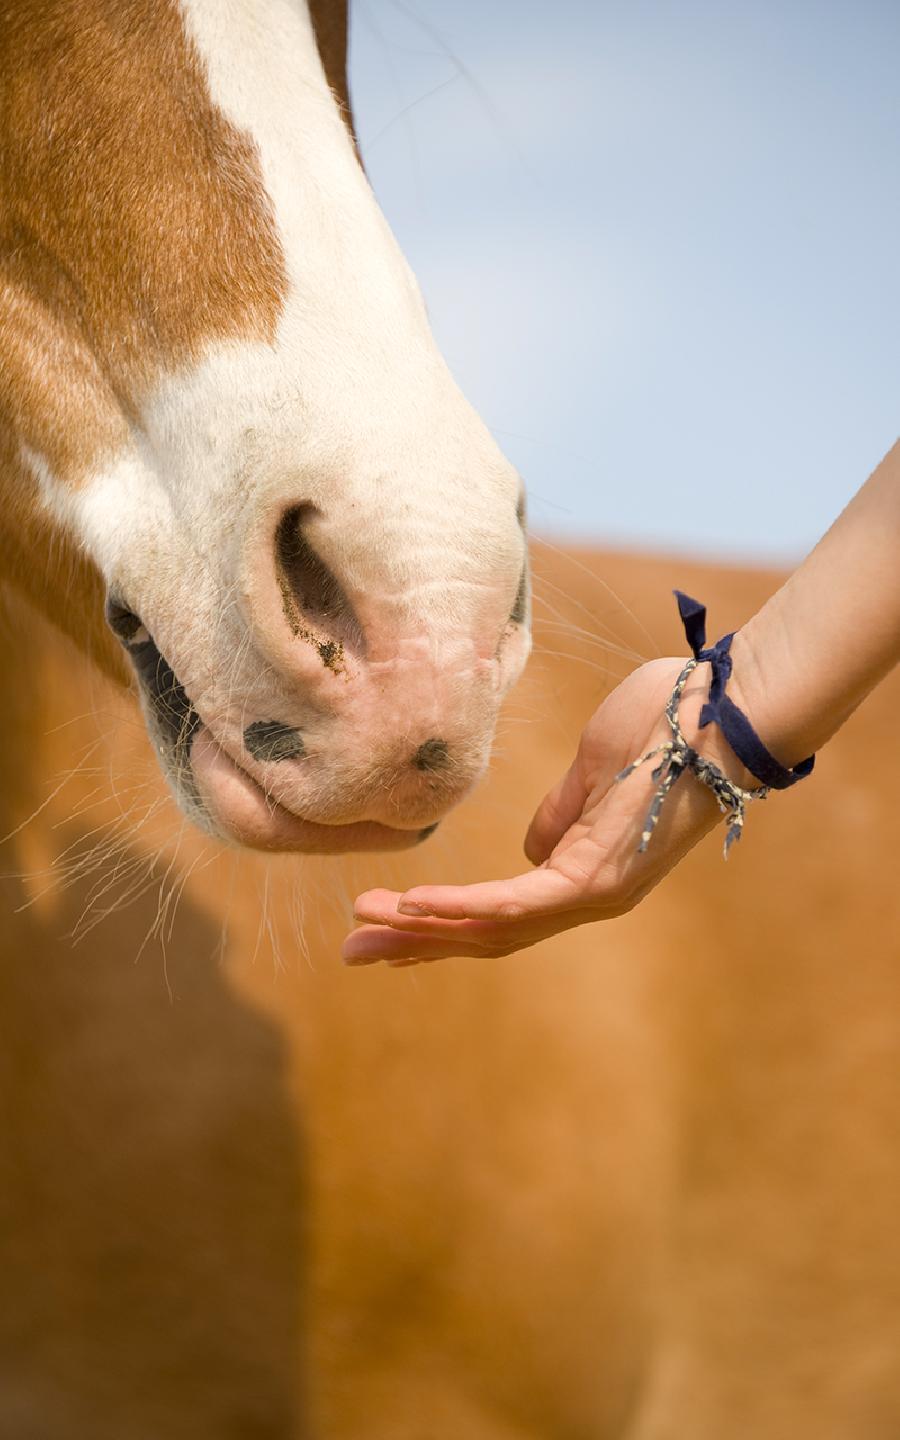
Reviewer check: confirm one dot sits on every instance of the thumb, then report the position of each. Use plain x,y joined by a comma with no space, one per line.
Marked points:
557,812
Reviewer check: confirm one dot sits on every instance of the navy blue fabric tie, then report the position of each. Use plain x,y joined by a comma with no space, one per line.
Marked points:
722,711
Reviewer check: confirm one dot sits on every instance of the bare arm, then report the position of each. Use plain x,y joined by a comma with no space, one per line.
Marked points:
801,666
832,631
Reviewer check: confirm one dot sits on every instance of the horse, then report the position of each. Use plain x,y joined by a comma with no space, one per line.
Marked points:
224,410
638,1183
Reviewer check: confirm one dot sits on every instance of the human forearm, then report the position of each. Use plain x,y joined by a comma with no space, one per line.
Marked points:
825,639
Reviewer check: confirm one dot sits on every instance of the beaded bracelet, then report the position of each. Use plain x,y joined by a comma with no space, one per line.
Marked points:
678,756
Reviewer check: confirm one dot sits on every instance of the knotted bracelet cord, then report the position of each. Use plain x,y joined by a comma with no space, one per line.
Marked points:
678,756
719,709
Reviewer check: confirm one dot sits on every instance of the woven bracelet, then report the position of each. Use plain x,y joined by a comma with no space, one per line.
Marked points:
678,756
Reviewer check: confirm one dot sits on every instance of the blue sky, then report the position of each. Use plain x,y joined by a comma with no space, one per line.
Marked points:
659,246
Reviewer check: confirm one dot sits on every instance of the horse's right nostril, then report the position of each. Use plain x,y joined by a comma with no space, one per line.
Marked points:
312,596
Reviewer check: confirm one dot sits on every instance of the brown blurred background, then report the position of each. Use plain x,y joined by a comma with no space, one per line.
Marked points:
642,1181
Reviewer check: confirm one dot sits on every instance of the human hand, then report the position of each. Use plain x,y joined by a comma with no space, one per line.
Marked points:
804,663
583,841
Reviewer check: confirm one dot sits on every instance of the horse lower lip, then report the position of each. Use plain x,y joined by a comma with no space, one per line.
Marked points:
244,812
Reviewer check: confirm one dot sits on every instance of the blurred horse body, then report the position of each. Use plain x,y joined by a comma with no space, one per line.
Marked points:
639,1183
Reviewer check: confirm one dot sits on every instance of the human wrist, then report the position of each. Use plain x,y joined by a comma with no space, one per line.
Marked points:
710,741
772,691
764,687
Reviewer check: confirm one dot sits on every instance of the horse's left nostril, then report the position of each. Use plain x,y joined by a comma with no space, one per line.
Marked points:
432,755
520,604
269,741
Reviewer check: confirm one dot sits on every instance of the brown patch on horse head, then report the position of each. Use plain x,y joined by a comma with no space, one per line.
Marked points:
135,224
134,228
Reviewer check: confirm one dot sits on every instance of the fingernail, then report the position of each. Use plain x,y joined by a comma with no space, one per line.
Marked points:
413,907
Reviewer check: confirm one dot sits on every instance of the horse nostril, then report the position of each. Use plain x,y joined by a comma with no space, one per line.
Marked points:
269,741
520,604
433,755
312,597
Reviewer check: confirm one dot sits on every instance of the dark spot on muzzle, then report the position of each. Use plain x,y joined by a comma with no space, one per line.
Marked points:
432,755
429,830
269,741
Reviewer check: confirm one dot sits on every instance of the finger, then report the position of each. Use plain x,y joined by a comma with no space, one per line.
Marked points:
539,892
472,938
379,908
372,943
426,927
558,810
412,936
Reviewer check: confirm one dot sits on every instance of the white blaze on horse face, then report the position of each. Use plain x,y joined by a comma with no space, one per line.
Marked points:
351,421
